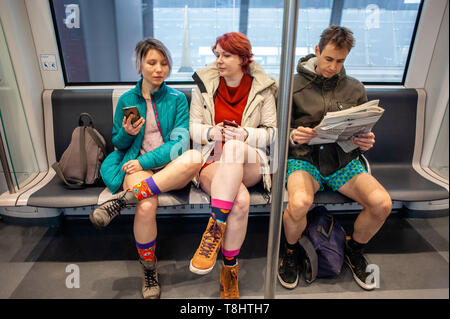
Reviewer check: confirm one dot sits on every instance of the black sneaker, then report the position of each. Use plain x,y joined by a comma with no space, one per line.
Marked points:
106,212
288,268
358,265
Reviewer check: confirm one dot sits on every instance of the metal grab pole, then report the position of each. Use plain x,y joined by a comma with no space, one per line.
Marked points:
5,167
284,104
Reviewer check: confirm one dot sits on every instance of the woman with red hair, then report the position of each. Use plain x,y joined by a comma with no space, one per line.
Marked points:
232,120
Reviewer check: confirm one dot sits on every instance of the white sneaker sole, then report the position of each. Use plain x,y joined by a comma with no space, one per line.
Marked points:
200,271
286,284
360,283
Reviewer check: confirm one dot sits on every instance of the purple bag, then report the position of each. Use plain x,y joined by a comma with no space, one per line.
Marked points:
328,239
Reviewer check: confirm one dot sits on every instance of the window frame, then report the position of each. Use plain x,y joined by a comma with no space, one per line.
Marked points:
335,18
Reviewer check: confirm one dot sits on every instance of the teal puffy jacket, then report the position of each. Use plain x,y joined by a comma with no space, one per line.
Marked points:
173,115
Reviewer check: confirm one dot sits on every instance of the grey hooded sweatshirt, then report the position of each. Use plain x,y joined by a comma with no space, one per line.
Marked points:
314,96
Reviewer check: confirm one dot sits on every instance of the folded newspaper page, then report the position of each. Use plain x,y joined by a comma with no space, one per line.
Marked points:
341,126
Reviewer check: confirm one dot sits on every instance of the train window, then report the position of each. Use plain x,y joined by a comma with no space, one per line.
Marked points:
97,38
383,31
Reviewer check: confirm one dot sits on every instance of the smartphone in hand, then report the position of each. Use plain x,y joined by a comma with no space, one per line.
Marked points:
131,110
230,123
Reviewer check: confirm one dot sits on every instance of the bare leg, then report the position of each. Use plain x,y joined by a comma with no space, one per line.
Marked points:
301,188
239,162
178,173
144,226
175,175
237,221
377,204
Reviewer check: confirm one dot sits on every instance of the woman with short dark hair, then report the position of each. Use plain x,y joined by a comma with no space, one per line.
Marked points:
150,155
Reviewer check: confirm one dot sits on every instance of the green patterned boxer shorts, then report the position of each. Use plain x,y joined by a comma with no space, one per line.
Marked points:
335,180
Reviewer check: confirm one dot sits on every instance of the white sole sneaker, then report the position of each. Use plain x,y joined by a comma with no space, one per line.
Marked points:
286,284
360,283
200,271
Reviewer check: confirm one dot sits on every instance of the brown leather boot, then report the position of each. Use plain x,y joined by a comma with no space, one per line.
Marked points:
229,288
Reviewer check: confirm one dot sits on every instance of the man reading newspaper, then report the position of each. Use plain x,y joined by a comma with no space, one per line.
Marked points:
321,86
342,126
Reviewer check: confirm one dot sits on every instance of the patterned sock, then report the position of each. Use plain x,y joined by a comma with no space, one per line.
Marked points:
221,208
146,251
229,257
145,189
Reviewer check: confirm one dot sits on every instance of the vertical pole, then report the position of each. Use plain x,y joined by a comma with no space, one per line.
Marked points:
336,12
284,105
5,166
243,16
147,18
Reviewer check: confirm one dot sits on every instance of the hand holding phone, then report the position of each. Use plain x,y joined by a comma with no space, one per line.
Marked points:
230,123
127,111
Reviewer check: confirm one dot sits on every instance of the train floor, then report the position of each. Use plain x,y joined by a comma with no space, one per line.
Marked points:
40,261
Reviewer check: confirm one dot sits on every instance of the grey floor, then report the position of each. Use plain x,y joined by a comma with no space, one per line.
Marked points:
39,261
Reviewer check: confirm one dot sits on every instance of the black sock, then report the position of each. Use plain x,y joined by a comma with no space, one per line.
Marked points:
291,247
355,245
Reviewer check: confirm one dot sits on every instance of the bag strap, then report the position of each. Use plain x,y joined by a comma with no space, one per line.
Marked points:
311,262
96,139
83,155
322,231
58,171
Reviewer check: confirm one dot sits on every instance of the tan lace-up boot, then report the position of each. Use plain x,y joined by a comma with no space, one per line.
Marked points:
229,288
151,289
206,255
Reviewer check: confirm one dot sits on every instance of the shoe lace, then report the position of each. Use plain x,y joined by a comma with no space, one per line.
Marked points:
211,239
150,277
290,259
114,207
358,263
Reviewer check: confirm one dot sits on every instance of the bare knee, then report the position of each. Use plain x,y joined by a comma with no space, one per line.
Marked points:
233,151
195,160
298,206
379,205
146,210
192,160
241,204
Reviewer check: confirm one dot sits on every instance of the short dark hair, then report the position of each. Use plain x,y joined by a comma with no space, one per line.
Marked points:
341,37
146,45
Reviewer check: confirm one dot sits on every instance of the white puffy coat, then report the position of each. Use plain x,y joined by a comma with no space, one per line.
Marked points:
259,117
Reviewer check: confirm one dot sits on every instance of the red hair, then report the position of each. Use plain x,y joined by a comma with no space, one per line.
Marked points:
236,43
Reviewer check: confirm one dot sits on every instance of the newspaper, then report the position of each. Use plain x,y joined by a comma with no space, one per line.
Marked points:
341,126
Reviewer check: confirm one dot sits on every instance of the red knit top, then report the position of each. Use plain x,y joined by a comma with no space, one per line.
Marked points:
230,102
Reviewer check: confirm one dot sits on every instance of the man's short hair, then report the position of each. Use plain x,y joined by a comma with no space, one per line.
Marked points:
146,45
341,37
